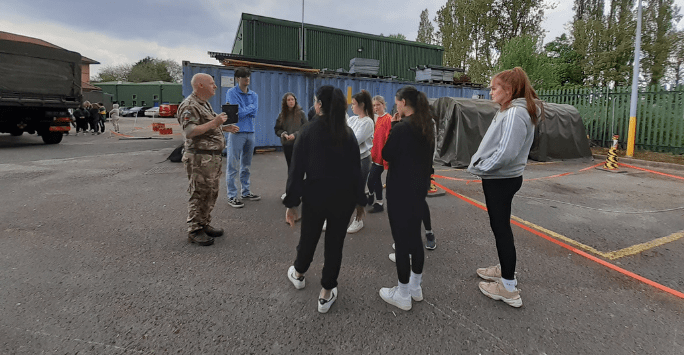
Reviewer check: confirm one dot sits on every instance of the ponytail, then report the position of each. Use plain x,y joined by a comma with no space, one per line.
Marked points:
333,107
364,99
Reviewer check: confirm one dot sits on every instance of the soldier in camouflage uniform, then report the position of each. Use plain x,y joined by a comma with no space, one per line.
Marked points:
202,158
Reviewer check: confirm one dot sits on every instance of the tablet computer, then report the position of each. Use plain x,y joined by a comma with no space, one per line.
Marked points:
232,113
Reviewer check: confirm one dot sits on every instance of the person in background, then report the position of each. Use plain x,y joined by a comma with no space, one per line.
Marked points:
362,126
94,110
289,122
241,144
382,129
326,177
81,120
114,116
500,161
103,117
408,150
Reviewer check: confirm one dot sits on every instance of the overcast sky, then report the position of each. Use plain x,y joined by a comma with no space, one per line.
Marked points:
125,31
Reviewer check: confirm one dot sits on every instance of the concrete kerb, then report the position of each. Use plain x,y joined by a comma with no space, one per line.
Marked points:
644,163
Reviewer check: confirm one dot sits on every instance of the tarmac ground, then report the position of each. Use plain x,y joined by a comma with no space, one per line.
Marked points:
94,259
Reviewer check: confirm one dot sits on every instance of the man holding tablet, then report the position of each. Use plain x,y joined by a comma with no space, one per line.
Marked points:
241,144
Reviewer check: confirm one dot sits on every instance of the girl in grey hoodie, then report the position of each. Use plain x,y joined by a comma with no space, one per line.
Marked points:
500,161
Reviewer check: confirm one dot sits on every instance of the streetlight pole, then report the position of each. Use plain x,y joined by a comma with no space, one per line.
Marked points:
631,136
301,39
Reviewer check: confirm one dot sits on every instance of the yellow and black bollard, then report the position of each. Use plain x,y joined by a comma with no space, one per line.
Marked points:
612,158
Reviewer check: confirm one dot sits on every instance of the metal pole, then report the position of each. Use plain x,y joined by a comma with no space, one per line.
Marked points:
631,136
301,39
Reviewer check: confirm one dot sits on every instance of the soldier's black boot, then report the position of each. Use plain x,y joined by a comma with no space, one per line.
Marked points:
213,232
199,237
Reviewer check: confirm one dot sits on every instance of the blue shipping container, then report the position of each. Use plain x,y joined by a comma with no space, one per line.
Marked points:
271,85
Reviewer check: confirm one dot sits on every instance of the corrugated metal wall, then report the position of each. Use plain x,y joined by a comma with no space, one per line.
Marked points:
272,85
269,38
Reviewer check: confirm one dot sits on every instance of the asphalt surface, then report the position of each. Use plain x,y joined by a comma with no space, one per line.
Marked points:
94,260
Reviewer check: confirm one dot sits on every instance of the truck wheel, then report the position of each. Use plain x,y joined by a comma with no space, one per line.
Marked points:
51,137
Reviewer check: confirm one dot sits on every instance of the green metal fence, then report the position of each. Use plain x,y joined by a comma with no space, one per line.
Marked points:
605,112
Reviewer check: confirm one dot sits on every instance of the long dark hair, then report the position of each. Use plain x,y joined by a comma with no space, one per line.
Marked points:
516,79
364,98
422,115
333,109
285,111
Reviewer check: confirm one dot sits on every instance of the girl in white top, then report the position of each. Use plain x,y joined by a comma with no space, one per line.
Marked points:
363,126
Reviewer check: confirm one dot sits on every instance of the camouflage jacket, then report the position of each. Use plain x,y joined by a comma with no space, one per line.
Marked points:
192,112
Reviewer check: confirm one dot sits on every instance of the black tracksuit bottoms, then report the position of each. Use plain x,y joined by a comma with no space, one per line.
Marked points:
287,150
405,217
499,197
337,213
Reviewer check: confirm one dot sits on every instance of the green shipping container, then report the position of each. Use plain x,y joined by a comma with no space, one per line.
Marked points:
269,38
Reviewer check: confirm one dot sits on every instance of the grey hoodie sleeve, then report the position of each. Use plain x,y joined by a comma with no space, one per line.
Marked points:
513,134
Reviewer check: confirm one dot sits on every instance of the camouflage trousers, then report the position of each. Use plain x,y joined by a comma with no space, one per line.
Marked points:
204,173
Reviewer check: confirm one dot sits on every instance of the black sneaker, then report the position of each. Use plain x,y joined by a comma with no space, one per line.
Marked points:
251,197
235,203
201,238
376,208
430,243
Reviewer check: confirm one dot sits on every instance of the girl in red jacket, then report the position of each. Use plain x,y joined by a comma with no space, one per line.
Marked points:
382,129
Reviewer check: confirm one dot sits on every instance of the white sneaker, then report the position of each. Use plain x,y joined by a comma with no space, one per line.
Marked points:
282,197
393,257
298,283
324,305
416,293
391,296
393,248
325,224
355,226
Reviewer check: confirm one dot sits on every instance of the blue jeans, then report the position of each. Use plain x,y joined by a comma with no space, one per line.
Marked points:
240,151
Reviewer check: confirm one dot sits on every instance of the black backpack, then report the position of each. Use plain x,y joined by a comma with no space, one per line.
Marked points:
177,154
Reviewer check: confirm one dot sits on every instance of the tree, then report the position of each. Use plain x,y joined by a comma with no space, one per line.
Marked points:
425,29
397,36
113,73
524,52
677,57
565,61
146,69
474,32
659,22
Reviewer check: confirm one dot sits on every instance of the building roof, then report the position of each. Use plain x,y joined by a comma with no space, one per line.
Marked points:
89,87
19,38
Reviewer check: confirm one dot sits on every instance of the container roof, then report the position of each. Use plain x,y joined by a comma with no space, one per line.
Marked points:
275,21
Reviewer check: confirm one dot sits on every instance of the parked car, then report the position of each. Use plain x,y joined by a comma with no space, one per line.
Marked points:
136,111
153,112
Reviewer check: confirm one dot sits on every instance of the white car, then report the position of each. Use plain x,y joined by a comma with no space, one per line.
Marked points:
153,112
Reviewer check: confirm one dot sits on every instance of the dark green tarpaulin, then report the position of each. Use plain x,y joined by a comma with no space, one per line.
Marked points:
461,124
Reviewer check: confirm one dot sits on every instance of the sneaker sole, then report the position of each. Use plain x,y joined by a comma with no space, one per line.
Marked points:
204,244
391,301
511,302
251,199
236,206
430,248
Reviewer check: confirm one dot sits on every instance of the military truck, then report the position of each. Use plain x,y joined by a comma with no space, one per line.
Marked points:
38,86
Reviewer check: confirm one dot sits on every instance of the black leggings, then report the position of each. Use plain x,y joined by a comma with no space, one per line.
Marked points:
499,197
405,216
375,180
338,213
426,217
287,150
